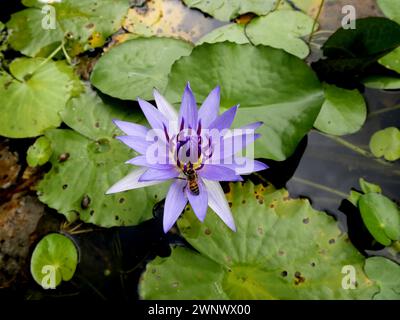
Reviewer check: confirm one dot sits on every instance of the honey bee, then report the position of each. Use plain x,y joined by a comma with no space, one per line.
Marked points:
191,177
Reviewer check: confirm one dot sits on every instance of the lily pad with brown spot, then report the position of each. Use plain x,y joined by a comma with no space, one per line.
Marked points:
88,161
273,255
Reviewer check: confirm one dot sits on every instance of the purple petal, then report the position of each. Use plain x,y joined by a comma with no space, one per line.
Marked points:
199,202
165,107
217,201
243,165
131,181
188,110
159,175
224,121
174,204
138,144
155,118
209,110
218,173
142,161
231,145
132,129
252,126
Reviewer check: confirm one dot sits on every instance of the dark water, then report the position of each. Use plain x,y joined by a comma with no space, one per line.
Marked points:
329,169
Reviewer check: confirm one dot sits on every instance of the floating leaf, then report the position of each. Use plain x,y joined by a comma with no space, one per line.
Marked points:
386,143
268,30
167,19
135,67
282,29
381,216
368,187
392,60
55,256
86,163
283,249
386,273
343,112
390,8
80,20
226,10
269,84
349,52
39,153
231,32
31,99
382,82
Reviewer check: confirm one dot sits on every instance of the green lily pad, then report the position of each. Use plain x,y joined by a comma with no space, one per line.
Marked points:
381,216
390,8
386,273
386,143
368,187
54,260
232,32
392,60
135,67
88,161
382,82
269,84
226,10
283,249
343,112
86,23
282,29
39,153
33,95
268,30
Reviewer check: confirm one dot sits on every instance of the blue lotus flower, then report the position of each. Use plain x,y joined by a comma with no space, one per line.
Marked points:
195,149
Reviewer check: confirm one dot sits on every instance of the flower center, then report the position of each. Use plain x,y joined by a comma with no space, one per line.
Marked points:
191,149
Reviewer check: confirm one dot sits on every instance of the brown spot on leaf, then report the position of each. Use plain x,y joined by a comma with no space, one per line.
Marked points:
63,157
298,278
85,202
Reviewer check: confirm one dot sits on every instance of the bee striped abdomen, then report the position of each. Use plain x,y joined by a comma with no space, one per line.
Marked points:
194,187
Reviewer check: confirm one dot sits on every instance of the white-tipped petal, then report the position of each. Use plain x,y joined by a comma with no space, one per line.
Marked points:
217,201
131,181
